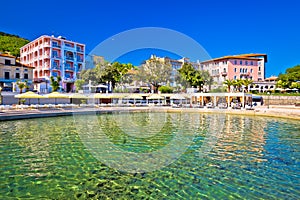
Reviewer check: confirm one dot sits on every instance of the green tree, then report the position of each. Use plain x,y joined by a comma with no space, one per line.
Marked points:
54,82
78,84
246,83
165,89
195,78
21,86
187,72
237,85
229,83
291,76
106,72
155,73
208,79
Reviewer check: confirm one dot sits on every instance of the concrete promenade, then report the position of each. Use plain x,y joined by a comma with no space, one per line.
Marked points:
289,112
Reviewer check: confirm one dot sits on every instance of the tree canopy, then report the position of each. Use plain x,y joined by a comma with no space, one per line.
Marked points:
155,73
195,78
106,72
291,78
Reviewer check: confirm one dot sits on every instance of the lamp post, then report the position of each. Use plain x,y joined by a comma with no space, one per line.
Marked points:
0,95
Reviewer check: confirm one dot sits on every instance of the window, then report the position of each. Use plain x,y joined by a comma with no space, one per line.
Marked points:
246,70
251,70
224,70
258,68
25,76
241,70
241,62
251,63
25,70
6,75
55,54
246,63
234,69
17,75
55,44
17,69
235,62
7,62
234,77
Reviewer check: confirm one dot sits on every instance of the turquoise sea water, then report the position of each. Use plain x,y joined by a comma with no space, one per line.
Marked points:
217,157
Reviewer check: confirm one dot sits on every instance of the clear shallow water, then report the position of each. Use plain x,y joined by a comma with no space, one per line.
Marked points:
233,157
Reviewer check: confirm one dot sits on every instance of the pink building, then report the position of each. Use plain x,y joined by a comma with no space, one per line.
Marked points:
53,56
244,66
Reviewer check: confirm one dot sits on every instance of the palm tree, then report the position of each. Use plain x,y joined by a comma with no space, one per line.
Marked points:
238,84
246,83
229,83
21,85
55,83
208,79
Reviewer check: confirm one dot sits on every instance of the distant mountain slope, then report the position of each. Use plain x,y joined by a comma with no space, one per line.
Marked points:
11,43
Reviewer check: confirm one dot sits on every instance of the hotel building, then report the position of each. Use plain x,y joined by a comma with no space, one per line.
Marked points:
244,66
53,56
11,71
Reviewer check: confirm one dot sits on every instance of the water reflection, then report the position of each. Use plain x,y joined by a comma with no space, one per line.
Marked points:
243,138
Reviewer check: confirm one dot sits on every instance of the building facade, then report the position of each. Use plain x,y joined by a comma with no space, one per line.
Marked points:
244,66
11,71
54,56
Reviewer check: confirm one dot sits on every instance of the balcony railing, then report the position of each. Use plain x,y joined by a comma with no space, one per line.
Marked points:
55,66
70,58
79,60
68,68
79,50
56,56
69,80
46,44
56,45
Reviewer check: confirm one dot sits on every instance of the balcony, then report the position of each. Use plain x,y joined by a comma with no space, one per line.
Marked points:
69,80
245,73
79,59
79,50
55,45
46,67
69,47
55,66
224,73
46,44
70,58
68,68
39,80
56,56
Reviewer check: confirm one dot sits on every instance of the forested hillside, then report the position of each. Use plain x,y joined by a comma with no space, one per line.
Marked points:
11,43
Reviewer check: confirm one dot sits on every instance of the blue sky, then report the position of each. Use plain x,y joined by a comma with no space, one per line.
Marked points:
222,27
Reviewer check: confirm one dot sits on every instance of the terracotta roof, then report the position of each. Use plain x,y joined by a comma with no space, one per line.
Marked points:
250,56
7,55
18,63
272,78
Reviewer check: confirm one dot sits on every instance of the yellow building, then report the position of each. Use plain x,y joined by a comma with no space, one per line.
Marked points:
11,70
